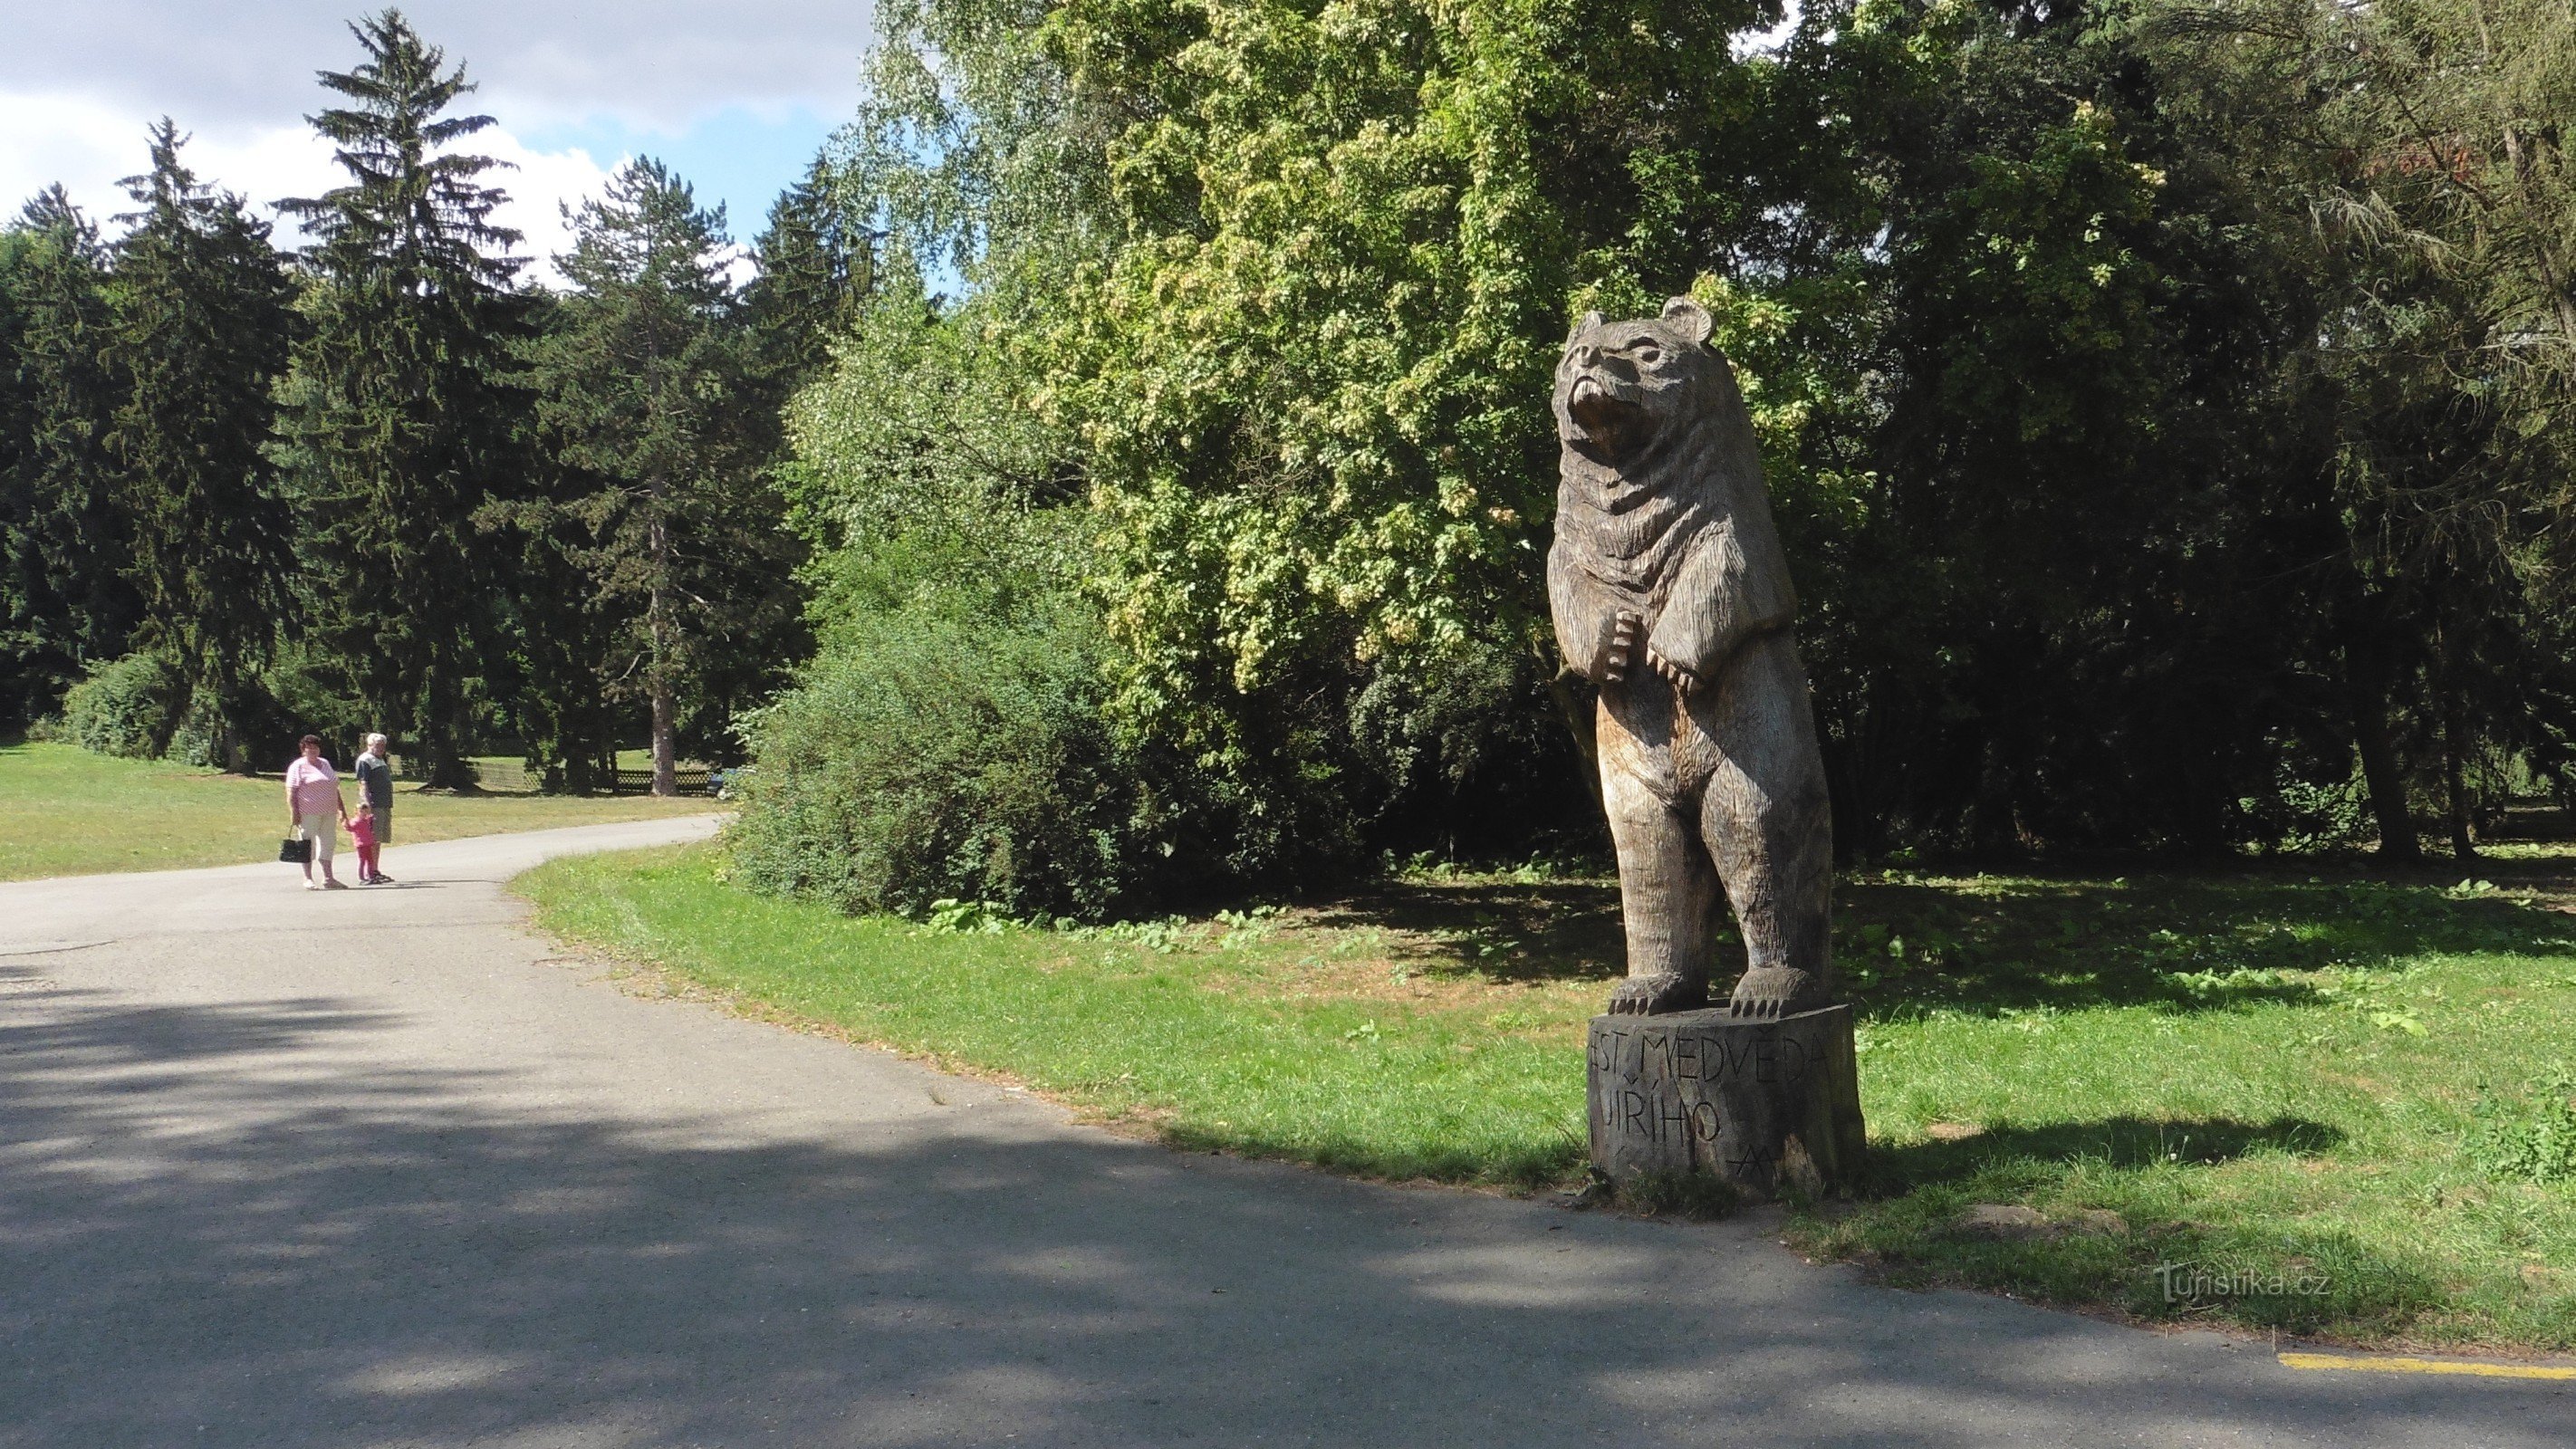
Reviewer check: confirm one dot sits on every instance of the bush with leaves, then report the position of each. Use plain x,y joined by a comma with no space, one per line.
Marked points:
950,745
130,706
940,757
950,742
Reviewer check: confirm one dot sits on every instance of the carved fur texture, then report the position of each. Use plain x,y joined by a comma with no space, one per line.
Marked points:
1670,592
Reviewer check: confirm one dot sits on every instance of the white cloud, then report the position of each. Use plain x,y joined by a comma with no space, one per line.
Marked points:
658,63
542,186
87,144
79,82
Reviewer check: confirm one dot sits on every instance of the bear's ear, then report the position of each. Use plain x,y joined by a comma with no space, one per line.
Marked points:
1689,320
1583,324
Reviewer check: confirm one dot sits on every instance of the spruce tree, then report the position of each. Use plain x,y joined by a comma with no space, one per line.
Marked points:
200,306
649,392
402,419
20,659
816,264
64,601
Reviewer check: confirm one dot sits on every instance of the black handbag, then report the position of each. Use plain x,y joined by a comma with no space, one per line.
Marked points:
295,850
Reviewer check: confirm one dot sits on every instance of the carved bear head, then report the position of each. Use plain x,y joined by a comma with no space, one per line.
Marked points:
1624,386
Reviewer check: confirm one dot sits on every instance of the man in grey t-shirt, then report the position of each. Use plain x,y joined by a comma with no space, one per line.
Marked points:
376,791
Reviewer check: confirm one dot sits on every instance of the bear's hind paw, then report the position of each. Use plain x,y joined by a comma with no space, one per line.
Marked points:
1658,995
1768,993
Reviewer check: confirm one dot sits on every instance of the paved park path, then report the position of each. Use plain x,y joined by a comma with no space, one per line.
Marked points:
373,1168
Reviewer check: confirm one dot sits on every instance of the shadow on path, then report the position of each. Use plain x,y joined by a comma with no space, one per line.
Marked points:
219,1226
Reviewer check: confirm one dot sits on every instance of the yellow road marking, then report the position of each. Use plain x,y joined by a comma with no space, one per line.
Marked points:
2423,1366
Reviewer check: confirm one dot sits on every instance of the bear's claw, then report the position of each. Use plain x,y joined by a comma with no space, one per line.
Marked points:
1627,638
1658,995
1673,673
1768,993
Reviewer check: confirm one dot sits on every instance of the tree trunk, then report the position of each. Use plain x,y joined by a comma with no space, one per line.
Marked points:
447,768
2455,791
1993,826
442,752
665,768
444,722
2367,677
666,779
229,755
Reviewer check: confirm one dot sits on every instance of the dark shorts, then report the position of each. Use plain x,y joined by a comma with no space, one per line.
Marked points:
384,818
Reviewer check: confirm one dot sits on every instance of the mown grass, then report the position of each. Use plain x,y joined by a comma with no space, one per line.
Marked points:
65,811
2312,1103
2300,1097
1201,1033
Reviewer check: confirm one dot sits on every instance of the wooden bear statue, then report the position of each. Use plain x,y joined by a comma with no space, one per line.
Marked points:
1670,592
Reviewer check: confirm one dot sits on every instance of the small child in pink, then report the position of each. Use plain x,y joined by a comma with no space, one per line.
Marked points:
362,829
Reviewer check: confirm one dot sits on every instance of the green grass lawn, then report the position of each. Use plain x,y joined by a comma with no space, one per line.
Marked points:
65,811
2323,1104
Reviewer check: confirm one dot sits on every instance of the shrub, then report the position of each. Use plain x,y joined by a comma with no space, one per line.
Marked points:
130,707
2311,809
955,740
929,757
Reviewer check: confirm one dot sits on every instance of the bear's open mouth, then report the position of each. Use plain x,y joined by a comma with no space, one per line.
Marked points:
1597,409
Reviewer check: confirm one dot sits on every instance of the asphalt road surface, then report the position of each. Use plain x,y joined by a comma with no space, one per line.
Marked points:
376,1168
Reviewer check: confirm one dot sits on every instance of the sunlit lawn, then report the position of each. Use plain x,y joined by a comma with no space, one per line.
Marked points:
65,811
2341,1085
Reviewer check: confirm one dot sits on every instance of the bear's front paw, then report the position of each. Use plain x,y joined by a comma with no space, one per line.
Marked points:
1657,995
1768,993
1676,673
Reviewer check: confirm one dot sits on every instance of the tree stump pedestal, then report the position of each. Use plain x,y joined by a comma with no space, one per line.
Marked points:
1765,1105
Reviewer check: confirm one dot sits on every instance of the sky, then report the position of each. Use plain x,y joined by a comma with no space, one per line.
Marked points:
736,97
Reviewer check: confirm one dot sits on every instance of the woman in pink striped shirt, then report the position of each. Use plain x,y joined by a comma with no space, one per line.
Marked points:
315,810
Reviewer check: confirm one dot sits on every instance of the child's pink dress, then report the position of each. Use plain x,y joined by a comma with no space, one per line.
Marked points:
362,829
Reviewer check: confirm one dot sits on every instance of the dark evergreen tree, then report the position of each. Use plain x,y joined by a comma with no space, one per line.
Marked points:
200,306
653,401
65,604
402,418
20,657
816,264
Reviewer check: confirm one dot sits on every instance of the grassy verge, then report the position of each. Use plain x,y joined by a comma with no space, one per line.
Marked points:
1212,1034
2322,1104
65,811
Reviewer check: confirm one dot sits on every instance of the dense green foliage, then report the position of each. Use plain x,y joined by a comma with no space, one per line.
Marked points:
200,312
2162,402
652,400
130,707
65,604
949,742
400,411
933,757
2165,404
815,265
387,484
